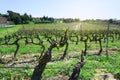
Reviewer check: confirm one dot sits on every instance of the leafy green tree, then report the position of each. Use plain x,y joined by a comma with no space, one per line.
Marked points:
30,17
51,19
111,20
46,19
5,15
68,20
15,17
76,19
25,18
36,20
0,15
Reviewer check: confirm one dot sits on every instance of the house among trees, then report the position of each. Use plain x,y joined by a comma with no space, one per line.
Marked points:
3,21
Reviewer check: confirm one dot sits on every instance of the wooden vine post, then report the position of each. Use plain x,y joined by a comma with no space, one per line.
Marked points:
107,34
107,39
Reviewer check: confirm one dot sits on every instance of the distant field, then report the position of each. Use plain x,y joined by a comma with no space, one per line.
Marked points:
98,26
74,26
71,26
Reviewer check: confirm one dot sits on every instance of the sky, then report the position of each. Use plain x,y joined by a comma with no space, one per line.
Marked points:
83,9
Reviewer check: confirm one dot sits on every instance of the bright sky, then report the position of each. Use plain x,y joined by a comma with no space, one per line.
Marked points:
83,9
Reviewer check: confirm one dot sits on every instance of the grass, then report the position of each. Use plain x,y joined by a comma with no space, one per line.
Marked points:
8,30
108,64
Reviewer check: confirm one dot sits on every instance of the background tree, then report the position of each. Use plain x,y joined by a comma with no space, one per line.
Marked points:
51,19
110,20
15,17
30,17
25,18
0,15
46,19
68,20
36,20
76,19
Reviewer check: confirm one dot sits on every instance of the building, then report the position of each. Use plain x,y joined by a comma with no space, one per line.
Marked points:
3,20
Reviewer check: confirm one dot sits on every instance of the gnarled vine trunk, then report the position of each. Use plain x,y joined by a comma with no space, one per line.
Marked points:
76,70
39,69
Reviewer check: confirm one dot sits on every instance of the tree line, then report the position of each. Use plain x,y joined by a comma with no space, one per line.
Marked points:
18,18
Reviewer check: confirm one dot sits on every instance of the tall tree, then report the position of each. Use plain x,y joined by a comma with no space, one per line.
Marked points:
30,17
25,18
0,15
15,17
